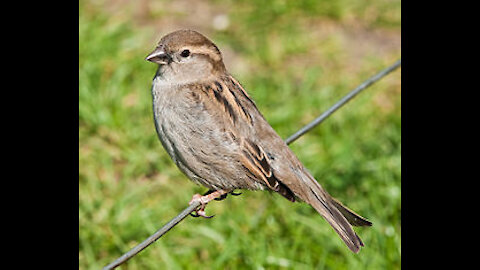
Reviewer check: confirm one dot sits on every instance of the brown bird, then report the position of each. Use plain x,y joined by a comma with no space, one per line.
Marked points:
215,134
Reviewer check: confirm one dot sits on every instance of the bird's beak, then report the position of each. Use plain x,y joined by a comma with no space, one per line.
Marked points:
158,56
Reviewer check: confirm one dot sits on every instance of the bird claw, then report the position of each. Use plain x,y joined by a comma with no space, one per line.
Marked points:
221,198
224,196
200,213
204,200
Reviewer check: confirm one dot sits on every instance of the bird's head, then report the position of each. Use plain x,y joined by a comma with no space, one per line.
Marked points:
187,54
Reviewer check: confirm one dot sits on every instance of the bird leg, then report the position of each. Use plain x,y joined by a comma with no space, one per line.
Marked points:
204,200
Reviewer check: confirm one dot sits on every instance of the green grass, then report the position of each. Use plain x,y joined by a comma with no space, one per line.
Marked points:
295,58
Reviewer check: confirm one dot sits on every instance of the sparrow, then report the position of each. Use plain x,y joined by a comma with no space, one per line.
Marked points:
215,134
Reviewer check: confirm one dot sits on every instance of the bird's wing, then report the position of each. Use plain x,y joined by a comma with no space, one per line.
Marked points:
261,144
254,160
238,116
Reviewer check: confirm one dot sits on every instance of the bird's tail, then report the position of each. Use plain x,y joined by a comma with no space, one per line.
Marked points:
339,216
352,217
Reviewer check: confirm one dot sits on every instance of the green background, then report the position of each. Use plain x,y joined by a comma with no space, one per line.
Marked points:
295,58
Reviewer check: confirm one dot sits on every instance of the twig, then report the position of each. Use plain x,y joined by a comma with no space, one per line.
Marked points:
134,251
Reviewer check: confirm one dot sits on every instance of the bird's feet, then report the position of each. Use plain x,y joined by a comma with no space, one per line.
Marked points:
224,196
204,200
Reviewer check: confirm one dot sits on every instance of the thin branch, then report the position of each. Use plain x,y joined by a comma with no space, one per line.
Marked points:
172,223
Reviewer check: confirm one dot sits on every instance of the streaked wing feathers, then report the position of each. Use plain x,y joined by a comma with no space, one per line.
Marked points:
255,161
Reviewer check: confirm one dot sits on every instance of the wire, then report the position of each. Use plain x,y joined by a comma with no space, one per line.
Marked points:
342,102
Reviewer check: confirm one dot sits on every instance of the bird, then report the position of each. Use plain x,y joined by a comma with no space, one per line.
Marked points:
215,134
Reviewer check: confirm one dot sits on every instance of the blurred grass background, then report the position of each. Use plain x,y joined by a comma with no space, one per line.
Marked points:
295,58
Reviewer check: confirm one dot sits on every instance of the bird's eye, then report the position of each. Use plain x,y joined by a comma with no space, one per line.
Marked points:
185,53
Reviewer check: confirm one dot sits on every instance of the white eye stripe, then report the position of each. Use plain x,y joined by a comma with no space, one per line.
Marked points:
203,50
